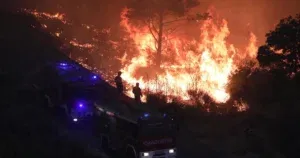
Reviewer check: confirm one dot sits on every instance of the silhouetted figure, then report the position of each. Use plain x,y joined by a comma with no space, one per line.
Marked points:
137,93
119,83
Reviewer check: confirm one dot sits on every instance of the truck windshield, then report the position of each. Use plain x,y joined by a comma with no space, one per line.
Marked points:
155,128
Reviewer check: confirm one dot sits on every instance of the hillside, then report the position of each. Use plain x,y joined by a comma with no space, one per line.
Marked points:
27,128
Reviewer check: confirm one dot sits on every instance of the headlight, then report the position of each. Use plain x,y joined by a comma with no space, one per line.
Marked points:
75,120
146,154
171,151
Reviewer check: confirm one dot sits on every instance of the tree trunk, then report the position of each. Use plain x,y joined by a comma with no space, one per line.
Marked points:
160,40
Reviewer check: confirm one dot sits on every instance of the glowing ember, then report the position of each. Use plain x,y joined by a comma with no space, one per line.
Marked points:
57,34
57,16
242,106
206,67
86,45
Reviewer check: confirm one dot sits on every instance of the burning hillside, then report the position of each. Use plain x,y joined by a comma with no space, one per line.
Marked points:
197,65
201,65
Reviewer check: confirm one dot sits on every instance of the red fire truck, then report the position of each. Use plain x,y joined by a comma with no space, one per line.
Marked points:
136,133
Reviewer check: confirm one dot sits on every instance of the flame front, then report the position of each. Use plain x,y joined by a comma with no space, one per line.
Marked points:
205,64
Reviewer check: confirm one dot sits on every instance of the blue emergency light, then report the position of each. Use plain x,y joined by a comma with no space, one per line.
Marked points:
63,64
146,115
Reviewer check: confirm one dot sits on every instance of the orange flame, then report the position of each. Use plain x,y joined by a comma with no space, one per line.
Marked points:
86,45
57,16
207,67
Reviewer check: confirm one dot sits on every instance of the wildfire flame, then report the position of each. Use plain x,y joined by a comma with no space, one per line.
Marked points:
62,18
207,67
202,65
57,16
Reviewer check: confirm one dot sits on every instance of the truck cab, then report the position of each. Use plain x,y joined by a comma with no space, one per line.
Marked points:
156,137
149,136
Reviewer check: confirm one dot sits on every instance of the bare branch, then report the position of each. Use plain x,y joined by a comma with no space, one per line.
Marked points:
198,16
154,28
170,31
152,33
150,29
171,21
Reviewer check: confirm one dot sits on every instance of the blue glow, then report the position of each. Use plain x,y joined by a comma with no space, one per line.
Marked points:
81,105
75,119
95,77
146,115
165,115
63,64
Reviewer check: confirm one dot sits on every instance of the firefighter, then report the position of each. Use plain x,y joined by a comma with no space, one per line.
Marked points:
119,83
137,92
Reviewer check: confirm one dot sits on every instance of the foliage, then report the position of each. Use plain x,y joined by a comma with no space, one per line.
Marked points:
270,91
282,46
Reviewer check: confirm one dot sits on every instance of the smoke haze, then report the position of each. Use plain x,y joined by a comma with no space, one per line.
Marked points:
243,16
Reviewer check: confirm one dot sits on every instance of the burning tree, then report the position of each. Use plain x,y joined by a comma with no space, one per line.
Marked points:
159,15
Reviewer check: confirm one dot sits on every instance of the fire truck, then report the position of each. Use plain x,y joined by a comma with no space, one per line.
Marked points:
134,130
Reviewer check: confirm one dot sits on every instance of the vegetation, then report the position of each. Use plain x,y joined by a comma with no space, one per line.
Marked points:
282,48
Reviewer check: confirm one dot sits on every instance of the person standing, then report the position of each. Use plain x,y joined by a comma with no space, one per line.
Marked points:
137,93
119,82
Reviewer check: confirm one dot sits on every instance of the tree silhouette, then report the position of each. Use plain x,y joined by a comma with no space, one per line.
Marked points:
282,48
158,15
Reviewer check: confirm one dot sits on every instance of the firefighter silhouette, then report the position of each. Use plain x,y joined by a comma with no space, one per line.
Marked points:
119,82
137,92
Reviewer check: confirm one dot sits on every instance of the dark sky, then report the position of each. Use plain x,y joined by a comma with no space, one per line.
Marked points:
258,16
